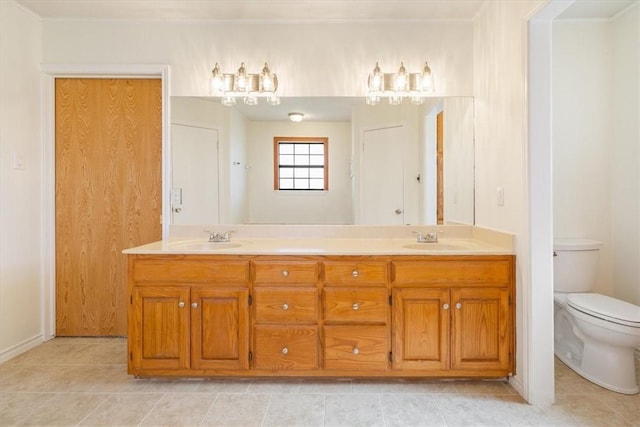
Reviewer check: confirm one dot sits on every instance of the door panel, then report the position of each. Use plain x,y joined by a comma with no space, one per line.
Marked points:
421,329
108,195
481,337
161,321
220,329
382,176
194,162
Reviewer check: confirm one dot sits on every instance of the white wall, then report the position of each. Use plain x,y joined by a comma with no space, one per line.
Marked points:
596,143
310,59
458,157
582,130
21,311
501,161
268,206
625,156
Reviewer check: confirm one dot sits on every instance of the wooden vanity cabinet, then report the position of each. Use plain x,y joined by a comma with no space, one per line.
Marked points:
454,316
187,314
331,316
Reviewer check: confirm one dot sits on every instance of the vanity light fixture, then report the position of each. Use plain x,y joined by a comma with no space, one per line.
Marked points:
399,85
243,85
296,117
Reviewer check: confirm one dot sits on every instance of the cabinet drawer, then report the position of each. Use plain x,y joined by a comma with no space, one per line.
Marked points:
354,273
286,305
355,305
191,271
356,347
285,348
464,271
284,273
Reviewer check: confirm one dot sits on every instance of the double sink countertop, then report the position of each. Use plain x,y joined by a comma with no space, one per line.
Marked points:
475,242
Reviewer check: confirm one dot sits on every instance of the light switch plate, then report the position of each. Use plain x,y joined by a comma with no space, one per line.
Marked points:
18,161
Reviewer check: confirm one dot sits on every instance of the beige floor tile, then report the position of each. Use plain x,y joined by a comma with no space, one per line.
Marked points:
122,410
67,381
353,410
411,410
40,409
237,410
179,409
297,410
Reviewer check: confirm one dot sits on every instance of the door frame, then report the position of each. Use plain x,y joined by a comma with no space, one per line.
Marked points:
49,73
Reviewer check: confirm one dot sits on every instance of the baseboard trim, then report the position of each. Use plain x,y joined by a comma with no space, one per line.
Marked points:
518,386
20,348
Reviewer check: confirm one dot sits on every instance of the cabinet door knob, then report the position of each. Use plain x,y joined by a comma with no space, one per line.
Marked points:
458,305
355,273
355,306
284,350
285,306
445,306
194,305
356,351
181,304
285,273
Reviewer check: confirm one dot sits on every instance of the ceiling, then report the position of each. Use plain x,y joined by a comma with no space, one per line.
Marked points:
257,10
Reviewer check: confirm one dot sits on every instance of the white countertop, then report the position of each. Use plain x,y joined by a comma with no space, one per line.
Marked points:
322,246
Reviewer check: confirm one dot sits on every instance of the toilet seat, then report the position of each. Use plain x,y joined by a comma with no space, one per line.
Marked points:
606,308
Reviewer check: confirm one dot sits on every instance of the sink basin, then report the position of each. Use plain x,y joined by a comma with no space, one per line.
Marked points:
436,246
204,246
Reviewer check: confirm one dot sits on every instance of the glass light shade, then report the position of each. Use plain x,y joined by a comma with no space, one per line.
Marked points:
251,100
395,99
267,80
401,79
228,100
376,80
373,99
240,81
273,99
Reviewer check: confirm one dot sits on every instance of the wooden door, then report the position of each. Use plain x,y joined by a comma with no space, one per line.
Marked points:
481,335
160,327
108,195
421,328
383,176
220,328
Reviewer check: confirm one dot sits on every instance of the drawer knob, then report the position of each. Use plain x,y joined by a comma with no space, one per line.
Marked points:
284,350
181,304
458,305
285,306
355,306
445,306
355,273
356,351
285,273
194,305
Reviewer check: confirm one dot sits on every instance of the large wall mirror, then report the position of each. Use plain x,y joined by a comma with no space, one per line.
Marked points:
386,164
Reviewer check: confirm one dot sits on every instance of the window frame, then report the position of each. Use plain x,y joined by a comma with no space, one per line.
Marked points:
300,140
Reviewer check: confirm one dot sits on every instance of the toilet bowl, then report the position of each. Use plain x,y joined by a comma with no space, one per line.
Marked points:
595,335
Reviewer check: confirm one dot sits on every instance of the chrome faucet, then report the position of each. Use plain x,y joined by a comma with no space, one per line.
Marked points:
217,237
431,237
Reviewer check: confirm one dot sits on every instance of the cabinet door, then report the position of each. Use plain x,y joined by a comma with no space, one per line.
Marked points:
420,329
220,328
481,335
160,328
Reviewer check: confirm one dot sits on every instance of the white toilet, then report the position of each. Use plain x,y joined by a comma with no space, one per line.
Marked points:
595,335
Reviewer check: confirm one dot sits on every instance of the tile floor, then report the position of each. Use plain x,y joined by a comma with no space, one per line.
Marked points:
83,381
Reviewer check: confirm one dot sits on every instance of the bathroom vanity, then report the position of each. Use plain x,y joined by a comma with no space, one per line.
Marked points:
325,308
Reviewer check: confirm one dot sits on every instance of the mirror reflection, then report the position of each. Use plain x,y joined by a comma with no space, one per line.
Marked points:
385,164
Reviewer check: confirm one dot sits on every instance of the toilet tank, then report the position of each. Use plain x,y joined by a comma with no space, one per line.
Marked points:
575,264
